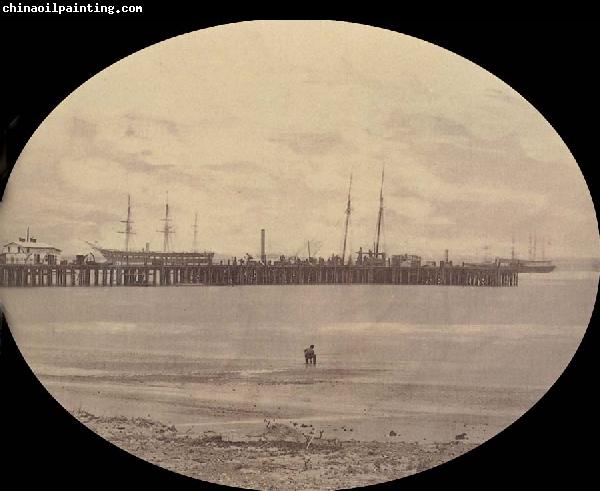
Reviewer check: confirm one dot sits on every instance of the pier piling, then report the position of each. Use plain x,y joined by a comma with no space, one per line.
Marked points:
107,275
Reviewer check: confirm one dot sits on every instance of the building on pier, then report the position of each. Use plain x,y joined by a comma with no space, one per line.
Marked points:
406,261
27,250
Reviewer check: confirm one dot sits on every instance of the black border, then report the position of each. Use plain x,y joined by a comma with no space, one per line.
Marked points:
549,63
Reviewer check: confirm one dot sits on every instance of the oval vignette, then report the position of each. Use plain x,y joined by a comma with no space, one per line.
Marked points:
285,184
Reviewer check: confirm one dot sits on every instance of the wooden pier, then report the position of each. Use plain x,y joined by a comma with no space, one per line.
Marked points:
66,275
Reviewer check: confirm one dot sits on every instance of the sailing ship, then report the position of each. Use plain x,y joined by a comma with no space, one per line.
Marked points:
145,257
530,265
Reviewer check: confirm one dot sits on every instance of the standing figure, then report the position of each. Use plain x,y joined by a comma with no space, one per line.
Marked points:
309,355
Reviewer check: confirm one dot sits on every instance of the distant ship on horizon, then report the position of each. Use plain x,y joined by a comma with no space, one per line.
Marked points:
530,265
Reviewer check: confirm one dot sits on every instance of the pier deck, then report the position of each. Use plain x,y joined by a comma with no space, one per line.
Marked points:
65,275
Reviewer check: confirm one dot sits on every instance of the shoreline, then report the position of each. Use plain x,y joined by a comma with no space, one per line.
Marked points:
363,412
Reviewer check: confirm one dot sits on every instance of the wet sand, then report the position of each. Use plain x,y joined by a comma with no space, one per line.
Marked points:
359,404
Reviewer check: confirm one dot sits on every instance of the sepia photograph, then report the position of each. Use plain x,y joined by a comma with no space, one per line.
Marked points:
309,255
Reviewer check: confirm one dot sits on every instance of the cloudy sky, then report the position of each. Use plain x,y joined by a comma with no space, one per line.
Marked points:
259,125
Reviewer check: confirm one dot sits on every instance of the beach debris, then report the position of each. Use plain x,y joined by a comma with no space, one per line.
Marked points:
461,436
281,459
211,436
283,433
393,433
309,438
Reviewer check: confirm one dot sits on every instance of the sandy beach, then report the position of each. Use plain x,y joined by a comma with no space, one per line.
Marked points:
281,456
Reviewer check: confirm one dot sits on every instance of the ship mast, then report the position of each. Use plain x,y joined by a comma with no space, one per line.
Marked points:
380,216
128,228
543,248
348,211
167,228
195,244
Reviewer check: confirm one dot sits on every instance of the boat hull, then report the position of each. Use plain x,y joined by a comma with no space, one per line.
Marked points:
536,269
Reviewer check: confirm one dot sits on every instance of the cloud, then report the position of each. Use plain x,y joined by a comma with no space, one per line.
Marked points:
233,167
252,126
81,128
309,143
139,124
425,125
132,162
502,95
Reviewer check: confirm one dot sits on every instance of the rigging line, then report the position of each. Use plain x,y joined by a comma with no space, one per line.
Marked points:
380,215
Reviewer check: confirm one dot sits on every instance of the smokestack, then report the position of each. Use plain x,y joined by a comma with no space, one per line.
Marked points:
446,256
263,254
147,246
512,248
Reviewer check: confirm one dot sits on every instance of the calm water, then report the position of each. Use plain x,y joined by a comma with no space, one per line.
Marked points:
506,337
